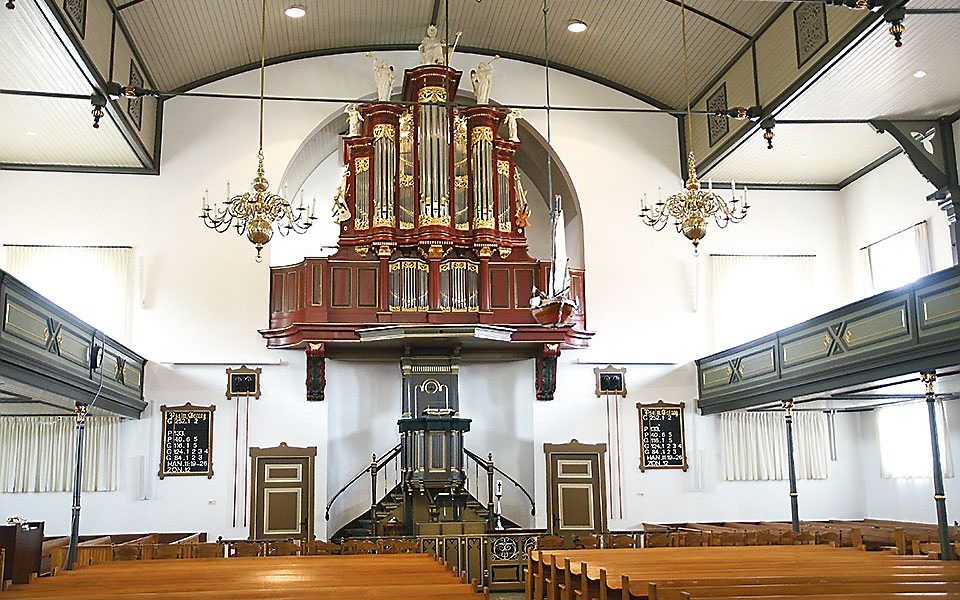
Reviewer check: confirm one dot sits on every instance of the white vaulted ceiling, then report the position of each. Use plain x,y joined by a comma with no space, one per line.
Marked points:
633,44
876,79
804,155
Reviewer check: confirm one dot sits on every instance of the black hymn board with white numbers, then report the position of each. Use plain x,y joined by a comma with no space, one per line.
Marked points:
186,443
661,436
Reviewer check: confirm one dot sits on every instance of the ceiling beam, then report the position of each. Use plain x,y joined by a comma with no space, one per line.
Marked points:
710,18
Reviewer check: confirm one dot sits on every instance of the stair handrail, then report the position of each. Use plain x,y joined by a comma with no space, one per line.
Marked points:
489,464
389,456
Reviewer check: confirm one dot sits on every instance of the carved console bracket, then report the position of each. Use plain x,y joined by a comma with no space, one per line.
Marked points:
929,146
316,372
547,371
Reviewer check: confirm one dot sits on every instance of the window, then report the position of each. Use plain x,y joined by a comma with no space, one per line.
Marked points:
756,295
92,282
903,432
754,445
897,259
37,454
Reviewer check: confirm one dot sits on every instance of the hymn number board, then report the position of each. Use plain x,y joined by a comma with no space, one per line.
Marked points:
662,444
187,441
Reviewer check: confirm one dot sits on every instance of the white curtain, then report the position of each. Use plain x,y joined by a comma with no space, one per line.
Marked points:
903,431
897,260
752,296
37,454
754,445
93,283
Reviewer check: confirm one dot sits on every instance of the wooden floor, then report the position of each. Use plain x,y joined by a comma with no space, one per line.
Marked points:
374,577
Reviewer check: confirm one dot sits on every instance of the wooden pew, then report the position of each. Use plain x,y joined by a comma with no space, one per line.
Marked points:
374,577
560,575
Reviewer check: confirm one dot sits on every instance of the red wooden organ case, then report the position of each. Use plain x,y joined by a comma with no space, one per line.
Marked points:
432,231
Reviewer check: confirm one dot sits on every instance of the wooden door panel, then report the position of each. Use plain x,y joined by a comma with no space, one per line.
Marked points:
282,511
576,490
282,495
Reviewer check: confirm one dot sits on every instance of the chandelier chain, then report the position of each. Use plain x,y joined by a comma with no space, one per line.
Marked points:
686,68
263,65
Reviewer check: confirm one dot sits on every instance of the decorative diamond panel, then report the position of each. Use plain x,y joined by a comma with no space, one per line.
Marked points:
717,126
810,25
135,105
77,12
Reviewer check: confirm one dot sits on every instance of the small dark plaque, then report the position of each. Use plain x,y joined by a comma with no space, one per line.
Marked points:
611,381
243,382
662,444
186,443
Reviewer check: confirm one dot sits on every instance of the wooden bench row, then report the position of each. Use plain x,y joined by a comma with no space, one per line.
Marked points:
731,572
904,537
373,577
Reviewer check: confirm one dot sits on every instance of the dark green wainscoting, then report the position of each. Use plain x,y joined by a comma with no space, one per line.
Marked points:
911,329
47,351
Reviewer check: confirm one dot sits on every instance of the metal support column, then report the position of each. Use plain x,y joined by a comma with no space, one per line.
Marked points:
81,416
792,467
946,551
373,496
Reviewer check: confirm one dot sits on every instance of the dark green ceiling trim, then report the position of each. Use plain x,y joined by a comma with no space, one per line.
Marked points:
796,187
871,166
77,169
403,47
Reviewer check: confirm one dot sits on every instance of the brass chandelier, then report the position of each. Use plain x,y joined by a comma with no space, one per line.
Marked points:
692,209
257,212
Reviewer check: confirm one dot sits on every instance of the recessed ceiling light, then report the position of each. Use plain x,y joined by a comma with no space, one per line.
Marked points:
32,133
920,74
576,26
295,11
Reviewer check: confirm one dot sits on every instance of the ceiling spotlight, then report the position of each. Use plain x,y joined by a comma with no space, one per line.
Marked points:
32,133
920,74
295,11
576,26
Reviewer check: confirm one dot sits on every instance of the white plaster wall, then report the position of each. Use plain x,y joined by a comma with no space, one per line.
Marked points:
908,499
885,201
204,299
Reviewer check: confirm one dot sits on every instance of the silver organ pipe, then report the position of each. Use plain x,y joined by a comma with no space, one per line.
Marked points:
362,168
461,191
385,174
458,282
482,165
503,195
434,157
405,203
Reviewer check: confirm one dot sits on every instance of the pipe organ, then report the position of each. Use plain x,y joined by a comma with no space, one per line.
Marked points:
432,229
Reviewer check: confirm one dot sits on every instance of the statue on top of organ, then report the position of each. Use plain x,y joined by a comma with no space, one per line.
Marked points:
432,216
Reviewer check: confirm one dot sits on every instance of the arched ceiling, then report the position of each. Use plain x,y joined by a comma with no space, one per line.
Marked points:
633,45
